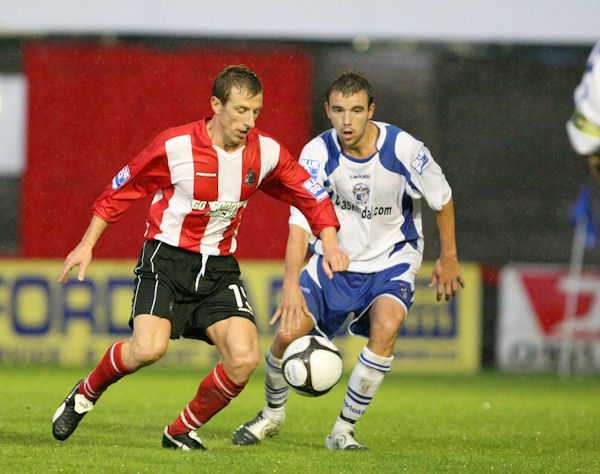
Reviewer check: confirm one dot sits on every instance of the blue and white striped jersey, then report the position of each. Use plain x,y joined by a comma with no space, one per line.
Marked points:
377,200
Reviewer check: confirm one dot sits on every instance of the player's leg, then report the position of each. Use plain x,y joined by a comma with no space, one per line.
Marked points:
148,343
152,296
386,316
341,294
236,339
276,388
269,421
151,308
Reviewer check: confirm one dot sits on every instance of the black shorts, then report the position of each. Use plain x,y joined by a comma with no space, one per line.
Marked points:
170,284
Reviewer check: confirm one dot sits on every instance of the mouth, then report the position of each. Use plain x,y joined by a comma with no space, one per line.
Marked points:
347,134
243,133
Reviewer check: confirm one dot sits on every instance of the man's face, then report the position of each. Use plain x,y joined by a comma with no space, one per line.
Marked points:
237,116
349,116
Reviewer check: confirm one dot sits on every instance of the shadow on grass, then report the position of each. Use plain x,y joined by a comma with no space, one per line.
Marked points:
39,439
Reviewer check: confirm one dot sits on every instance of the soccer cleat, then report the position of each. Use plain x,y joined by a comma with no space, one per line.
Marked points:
256,430
187,441
343,441
69,413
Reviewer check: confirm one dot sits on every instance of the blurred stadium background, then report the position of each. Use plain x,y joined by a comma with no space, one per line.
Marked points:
487,85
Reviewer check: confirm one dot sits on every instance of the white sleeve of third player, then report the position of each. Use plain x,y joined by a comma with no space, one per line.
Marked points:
427,179
584,126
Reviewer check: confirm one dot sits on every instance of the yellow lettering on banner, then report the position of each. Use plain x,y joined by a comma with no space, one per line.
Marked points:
43,321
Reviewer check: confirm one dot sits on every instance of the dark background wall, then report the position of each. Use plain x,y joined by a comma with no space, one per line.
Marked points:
492,115
494,118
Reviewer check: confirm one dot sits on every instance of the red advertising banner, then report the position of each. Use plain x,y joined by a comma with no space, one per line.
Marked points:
92,107
532,328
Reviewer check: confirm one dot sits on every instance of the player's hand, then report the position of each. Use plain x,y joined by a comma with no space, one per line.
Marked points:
446,273
80,256
594,165
292,308
334,260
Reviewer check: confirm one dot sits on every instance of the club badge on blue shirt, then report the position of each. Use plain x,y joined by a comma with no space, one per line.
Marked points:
361,193
312,166
420,162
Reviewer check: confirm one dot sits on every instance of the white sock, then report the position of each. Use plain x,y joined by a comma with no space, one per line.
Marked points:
365,380
276,389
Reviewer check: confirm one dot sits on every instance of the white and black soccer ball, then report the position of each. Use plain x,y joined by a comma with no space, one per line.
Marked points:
312,365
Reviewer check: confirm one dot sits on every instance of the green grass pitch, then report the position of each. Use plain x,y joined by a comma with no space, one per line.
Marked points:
490,422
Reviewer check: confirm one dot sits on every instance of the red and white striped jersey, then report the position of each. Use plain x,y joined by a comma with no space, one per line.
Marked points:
200,191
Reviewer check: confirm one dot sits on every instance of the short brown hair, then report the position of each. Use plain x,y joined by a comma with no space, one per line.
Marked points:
349,83
240,77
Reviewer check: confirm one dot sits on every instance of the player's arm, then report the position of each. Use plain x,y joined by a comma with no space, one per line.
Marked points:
334,260
291,183
427,180
82,254
446,271
292,306
594,166
146,173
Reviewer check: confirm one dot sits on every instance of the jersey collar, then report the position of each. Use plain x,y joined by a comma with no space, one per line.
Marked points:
380,141
202,134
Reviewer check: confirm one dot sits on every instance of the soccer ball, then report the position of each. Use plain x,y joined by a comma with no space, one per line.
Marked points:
312,365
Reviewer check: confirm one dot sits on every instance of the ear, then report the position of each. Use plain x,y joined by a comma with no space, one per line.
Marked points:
371,110
327,110
216,105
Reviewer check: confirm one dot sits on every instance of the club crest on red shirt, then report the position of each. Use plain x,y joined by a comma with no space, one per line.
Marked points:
250,178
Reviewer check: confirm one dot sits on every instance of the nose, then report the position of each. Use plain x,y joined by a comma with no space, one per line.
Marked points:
347,118
250,119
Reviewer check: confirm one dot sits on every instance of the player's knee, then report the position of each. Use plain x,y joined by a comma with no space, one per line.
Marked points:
387,328
388,321
149,352
395,320
384,329
284,340
241,364
250,361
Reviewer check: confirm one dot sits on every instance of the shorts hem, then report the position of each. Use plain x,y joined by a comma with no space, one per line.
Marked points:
362,313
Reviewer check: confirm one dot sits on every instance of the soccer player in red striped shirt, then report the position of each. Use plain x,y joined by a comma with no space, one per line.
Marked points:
187,280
